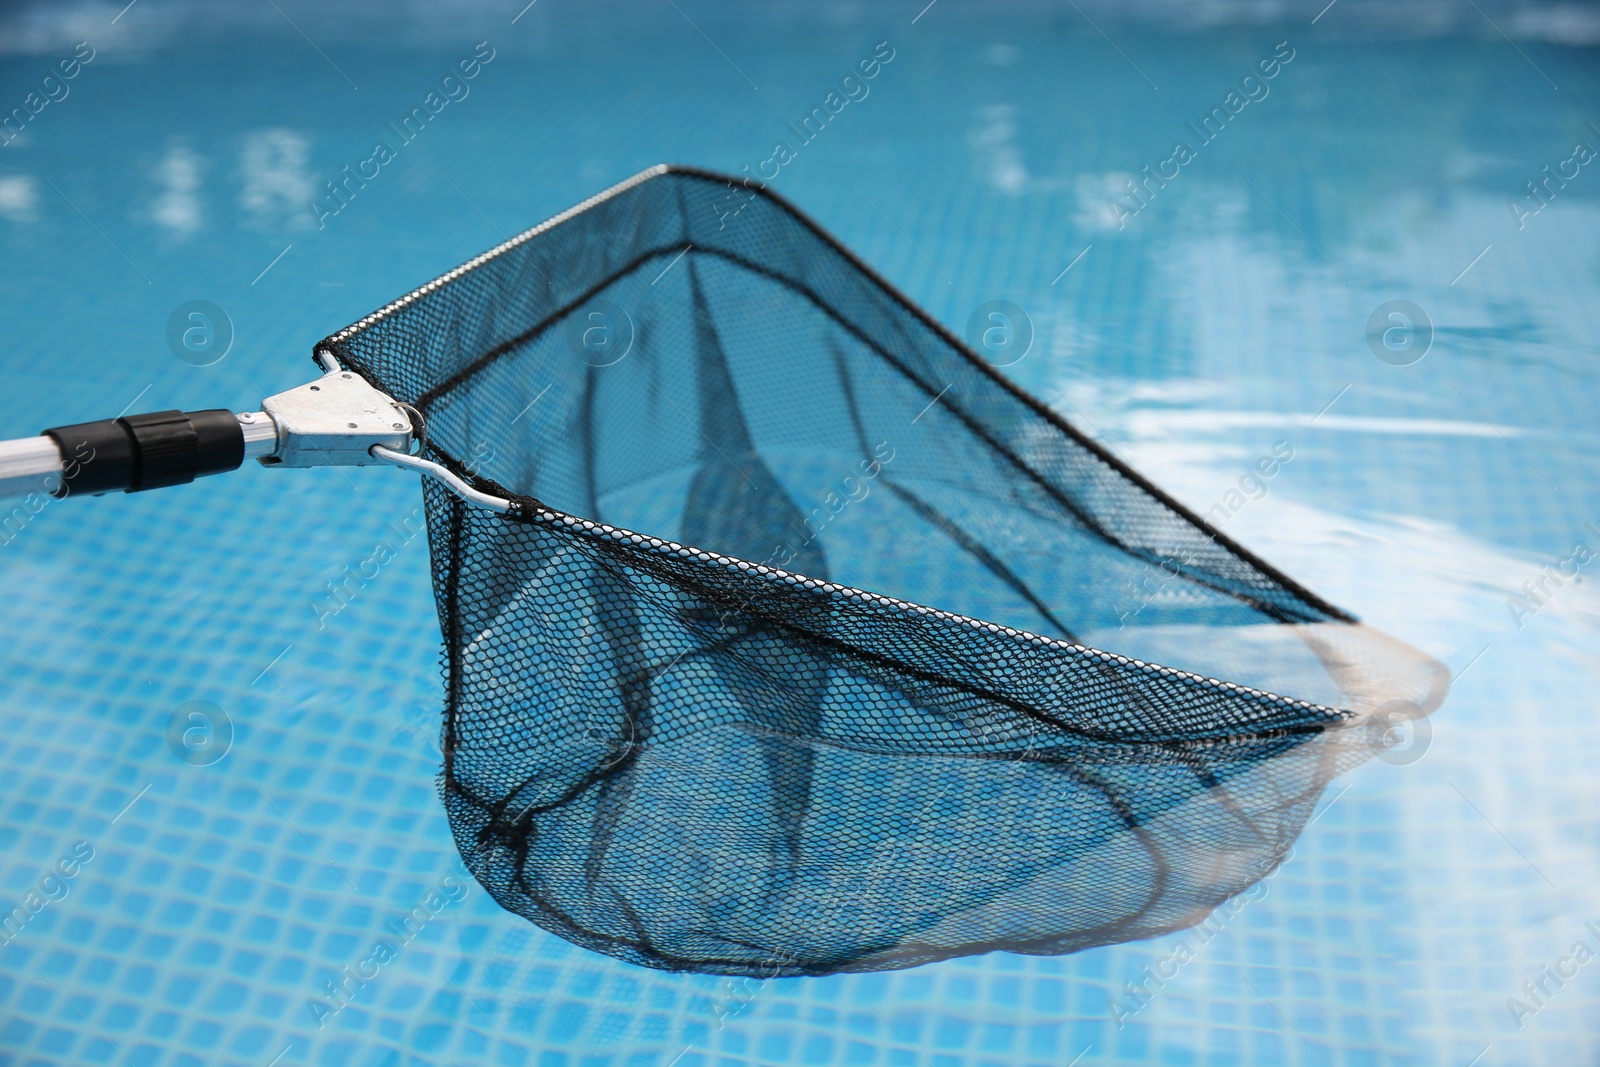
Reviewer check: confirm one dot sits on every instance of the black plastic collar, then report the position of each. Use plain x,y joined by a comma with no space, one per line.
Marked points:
138,452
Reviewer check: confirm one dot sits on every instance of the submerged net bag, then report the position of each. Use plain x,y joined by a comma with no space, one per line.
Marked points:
706,745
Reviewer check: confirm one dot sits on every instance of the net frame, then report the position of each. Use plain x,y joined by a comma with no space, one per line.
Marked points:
1179,719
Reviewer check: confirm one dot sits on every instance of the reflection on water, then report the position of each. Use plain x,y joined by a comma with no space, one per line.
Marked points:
177,207
275,184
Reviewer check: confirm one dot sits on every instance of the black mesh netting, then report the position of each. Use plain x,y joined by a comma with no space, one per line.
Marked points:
729,758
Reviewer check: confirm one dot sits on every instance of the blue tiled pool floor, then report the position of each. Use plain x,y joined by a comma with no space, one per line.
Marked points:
221,899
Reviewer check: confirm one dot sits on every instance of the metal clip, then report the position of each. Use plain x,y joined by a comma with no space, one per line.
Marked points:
332,422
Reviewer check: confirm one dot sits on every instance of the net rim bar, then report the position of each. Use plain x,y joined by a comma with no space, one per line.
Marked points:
661,169
456,484
542,513
527,509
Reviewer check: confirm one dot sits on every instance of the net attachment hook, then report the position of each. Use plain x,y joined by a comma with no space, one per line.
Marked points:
419,426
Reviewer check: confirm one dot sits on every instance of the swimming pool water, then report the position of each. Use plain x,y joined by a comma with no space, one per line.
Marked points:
1220,314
